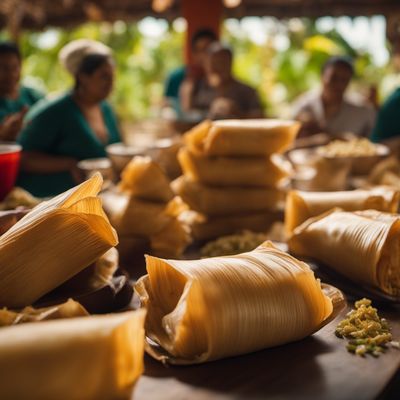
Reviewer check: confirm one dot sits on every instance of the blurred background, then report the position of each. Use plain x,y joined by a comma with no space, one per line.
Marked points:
281,58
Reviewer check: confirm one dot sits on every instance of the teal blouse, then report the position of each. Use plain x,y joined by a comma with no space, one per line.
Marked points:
58,127
388,122
27,97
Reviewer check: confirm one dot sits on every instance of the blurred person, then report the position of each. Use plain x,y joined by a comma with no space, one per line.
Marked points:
220,95
15,99
328,110
75,126
189,73
387,127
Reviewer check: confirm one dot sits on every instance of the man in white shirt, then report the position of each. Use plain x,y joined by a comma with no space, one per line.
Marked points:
328,110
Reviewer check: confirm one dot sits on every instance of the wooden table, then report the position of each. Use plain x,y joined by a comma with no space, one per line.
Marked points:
318,367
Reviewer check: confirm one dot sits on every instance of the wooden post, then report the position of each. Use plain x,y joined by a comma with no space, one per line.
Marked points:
199,15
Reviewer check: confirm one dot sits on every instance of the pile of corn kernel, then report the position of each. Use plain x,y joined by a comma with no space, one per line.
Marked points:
354,148
366,331
233,244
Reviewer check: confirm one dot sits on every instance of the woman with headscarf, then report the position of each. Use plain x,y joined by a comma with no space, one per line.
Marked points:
75,126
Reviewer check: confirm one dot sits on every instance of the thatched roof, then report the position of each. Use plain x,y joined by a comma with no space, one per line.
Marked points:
38,14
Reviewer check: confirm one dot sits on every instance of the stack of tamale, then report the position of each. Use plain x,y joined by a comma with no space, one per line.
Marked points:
144,211
233,174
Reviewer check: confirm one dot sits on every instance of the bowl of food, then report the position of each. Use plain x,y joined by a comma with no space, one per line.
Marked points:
120,154
317,173
10,154
90,166
362,153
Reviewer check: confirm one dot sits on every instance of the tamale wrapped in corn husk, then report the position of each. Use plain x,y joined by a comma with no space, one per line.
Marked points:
362,245
247,137
69,309
55,241
172,240
211,200
267,171
218,307
144,179
88,358
303,205
205,228
131,216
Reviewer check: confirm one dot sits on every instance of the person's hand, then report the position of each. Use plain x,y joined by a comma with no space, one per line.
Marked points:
10,218
12,125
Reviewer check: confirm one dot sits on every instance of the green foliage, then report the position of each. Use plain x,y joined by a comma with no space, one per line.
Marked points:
143,62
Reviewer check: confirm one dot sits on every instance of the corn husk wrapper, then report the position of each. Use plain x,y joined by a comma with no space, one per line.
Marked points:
144,179
205,228
55,241
234,171
172,240
216,201
131,216
213,308
69,309
363,246
89,358
303,205
250,137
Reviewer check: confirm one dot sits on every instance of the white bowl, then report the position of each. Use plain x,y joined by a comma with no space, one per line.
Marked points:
92,165
120,154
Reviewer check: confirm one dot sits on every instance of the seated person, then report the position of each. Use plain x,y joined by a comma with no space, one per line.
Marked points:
387,127
327,110
73,127
220,95
198,46
15,99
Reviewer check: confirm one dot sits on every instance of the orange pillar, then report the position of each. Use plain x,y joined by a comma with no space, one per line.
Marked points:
204,14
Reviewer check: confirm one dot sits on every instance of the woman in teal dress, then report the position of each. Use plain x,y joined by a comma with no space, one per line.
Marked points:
78,125
15,99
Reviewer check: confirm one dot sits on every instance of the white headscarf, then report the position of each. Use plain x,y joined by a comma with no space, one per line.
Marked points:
72,54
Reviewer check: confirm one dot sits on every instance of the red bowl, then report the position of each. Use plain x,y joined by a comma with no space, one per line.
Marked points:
10,154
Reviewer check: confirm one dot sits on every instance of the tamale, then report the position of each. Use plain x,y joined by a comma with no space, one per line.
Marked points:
205,228
69,309
131,216
248,137
172,240
302,205
234,171
217,201
363,246
53,242
144,179
88,358
218,307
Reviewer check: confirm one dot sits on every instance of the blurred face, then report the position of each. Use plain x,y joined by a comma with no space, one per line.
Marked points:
10,72
335,80
219,68
99,84
199,51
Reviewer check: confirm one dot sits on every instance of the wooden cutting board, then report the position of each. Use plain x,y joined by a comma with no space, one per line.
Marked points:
318,367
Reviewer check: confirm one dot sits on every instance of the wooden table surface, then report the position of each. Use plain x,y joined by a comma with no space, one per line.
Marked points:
318,367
